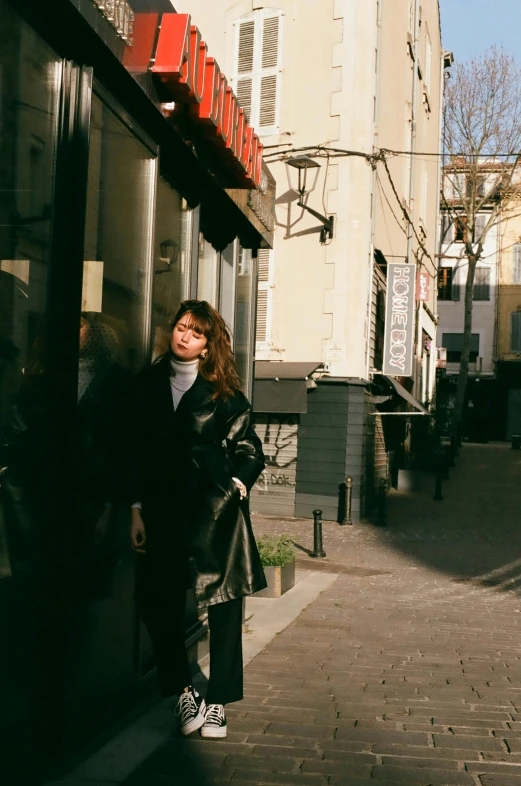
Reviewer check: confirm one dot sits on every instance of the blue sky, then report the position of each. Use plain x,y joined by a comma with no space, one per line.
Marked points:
471,26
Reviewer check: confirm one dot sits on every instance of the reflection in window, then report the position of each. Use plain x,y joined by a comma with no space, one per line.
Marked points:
245,318
29,91
118,233
227,287
113,333
171,262
207,272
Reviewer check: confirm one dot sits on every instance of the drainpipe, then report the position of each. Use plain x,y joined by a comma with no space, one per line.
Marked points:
412,181
379,4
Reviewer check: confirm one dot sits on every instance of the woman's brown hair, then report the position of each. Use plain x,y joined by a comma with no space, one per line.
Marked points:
218,365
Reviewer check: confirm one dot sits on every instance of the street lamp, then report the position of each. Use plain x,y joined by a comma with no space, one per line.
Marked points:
302,164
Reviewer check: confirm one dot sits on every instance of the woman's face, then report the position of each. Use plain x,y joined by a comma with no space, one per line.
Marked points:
187,342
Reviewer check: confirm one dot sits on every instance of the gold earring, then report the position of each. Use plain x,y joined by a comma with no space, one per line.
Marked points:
203,354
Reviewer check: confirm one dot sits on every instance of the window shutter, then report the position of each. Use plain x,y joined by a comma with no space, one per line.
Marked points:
479,226
261,335
516,264
447,229
243,91
270,42
268,101
481,289
246,47
257,68
515,331
456,286
264,270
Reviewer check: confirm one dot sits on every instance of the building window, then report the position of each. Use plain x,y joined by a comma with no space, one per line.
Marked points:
481,288
480,222
453,343
265,275
460,230
515,331
448,289
258,47
447,229
516,264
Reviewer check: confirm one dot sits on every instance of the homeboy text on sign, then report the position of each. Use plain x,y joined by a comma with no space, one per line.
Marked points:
399,319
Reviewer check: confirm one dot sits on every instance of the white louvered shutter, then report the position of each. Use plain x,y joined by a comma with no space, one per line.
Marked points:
245,53
258,68
264,261
516,264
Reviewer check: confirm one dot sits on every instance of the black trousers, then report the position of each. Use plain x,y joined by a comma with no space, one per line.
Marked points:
161,595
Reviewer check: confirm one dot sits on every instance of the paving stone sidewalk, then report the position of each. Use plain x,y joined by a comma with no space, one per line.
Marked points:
406,670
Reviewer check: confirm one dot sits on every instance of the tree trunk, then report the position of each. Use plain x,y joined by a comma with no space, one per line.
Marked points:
465,349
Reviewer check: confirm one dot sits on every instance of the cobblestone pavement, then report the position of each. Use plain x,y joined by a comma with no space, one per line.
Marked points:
406,670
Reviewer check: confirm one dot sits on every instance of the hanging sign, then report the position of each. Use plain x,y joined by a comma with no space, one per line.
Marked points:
193,81
399,319
422,285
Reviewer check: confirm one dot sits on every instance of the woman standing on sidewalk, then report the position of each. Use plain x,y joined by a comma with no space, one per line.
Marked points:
197,458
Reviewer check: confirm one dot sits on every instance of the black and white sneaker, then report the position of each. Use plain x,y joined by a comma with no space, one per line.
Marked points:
191,709
215,724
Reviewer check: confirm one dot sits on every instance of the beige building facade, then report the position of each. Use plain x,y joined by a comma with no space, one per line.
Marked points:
337,81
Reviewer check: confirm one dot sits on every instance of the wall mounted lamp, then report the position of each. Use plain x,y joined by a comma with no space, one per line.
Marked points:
300,183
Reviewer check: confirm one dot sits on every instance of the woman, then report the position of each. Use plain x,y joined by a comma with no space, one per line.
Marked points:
198,457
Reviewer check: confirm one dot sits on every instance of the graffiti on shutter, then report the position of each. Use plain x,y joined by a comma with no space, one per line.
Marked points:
274,491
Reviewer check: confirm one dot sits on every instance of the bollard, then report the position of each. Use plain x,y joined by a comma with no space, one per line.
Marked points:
381,520
453,451
349,497
318,550
446,461
438,477
516,441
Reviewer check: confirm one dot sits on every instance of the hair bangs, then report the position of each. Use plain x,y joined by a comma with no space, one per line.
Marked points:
197,320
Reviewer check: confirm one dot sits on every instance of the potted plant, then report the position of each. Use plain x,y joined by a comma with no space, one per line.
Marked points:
278,560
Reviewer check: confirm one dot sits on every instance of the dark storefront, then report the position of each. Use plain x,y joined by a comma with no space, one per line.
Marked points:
109,218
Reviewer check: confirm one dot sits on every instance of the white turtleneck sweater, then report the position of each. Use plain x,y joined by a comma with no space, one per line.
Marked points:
182,377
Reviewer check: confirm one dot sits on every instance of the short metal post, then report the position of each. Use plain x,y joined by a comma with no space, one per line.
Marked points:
446,461
318,550
381,519
453,451
439,477
349,497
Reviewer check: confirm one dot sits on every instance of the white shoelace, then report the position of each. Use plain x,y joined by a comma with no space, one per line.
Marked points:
215,714
186,706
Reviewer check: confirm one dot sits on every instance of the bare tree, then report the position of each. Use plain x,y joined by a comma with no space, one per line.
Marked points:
482,146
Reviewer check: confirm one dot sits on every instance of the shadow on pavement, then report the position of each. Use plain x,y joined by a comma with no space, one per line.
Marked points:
476,529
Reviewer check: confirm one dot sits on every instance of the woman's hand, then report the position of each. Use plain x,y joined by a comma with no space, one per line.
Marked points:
138,535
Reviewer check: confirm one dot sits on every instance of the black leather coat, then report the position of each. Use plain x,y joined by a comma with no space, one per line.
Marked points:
190,503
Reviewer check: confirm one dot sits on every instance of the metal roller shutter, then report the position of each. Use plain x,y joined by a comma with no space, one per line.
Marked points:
274,492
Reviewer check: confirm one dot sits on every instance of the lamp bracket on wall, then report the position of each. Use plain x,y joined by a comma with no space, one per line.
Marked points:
329,222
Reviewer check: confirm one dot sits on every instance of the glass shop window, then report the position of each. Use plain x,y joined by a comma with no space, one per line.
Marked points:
227,277
29,96
118,232
245,319
207,272
172,246
113,342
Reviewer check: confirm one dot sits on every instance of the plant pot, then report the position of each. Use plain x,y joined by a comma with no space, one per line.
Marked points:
280,579
408,479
